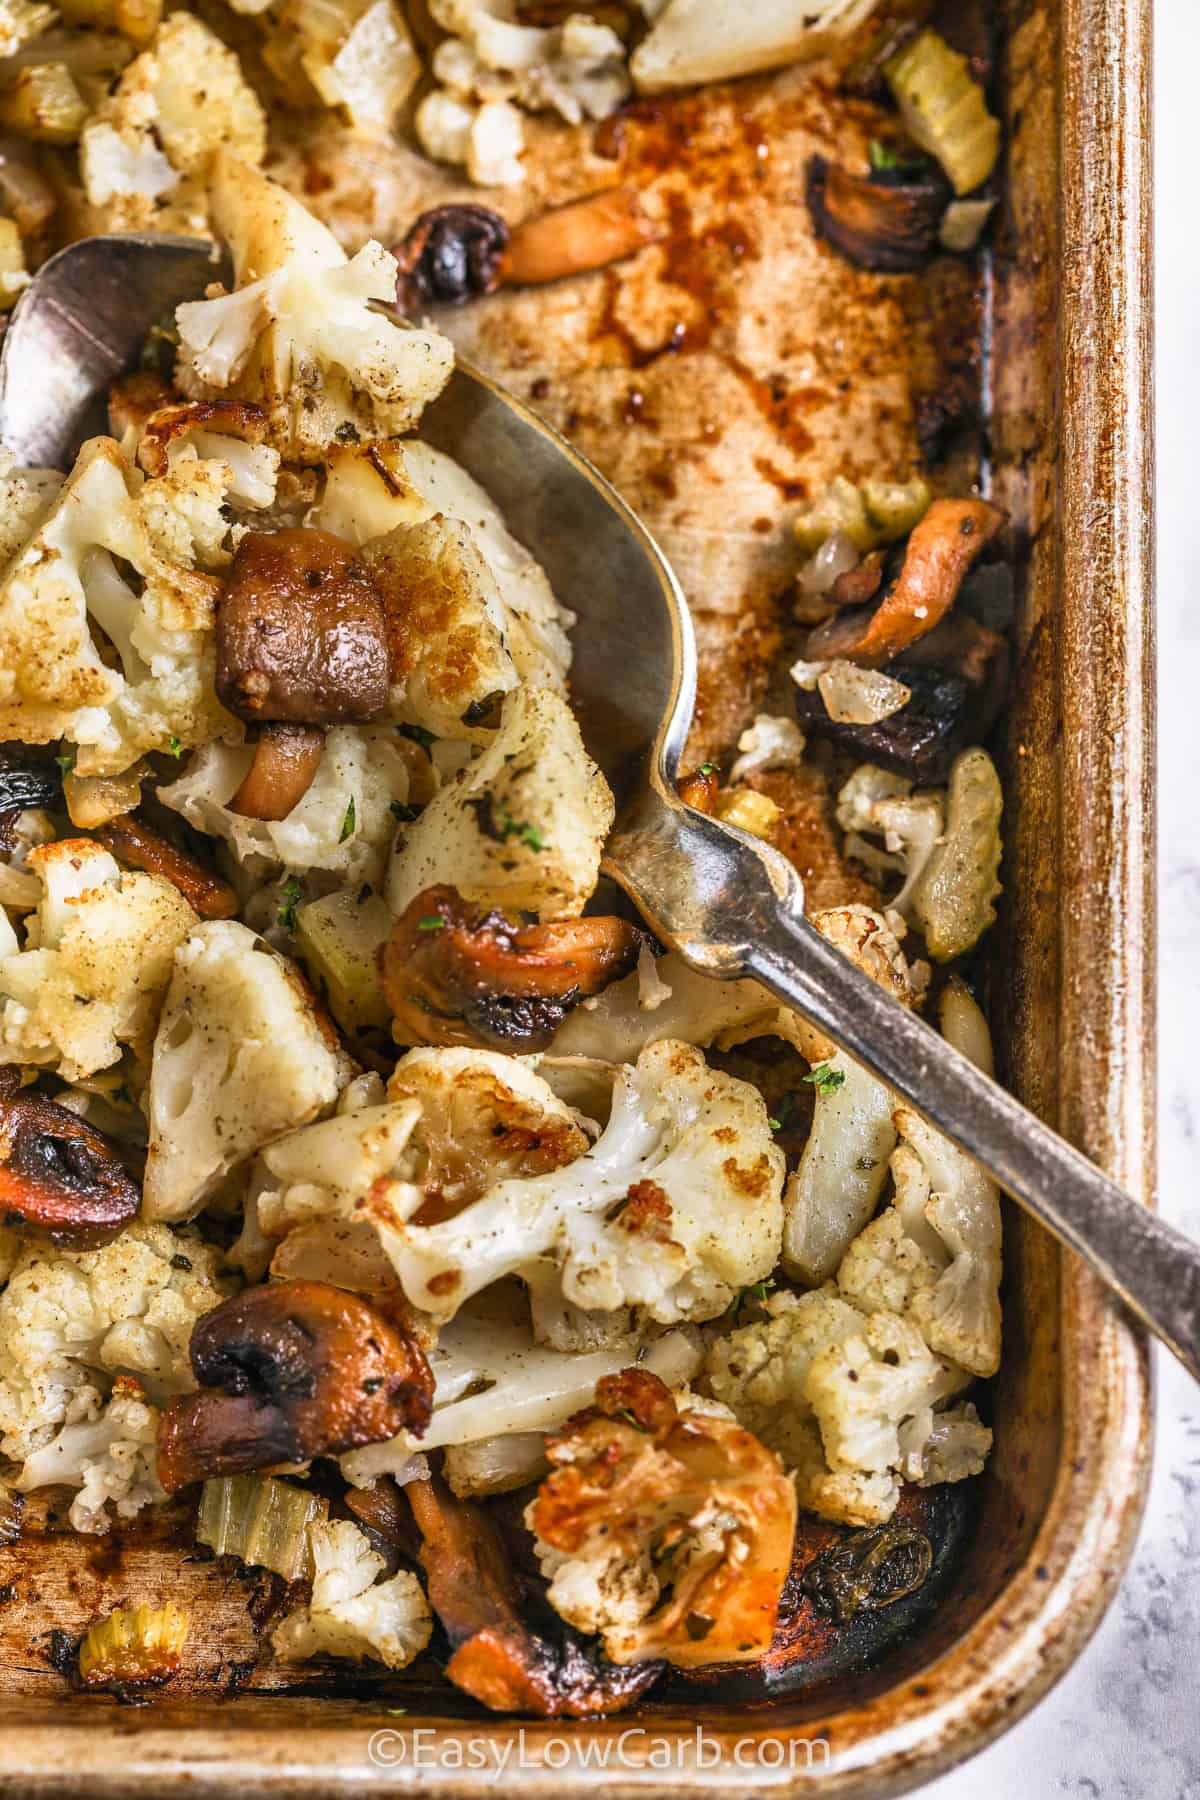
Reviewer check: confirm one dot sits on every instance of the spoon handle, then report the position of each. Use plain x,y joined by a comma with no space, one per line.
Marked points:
734,909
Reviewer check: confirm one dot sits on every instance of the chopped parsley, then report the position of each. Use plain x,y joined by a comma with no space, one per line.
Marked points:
419,735
347,824
404,813
66,761
825,1078
885,160
708,768
754,1295
787,1107
521,829
289,893
431,922
623,1412
174,746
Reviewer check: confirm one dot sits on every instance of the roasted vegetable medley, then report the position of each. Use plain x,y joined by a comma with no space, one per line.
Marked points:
375,1184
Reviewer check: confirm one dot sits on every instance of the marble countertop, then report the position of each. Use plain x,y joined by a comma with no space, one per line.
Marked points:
1124,1723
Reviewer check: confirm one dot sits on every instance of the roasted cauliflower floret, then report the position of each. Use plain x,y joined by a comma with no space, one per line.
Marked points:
241,1056
157,692
107,1453
874,803
368,494
26,496
352,1613
344,824
846,1397
70,1320
522,827
667,1530
672,1211
494,1383
357,55
145,152
96,961
934,1254
298,336
953,901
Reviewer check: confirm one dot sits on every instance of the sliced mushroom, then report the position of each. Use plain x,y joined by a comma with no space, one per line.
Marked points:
498,1659
286,760
939,552
451,254
29,776
303,1369
137,843
59,1178
301,632
456,976
457,253
882,221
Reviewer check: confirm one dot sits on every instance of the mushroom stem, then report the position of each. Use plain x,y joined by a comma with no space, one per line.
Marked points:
138,844
286,760
587,234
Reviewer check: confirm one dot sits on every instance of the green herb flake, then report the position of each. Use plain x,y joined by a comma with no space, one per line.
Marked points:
347,824
401,811
419,735
66,761
708,768
885,160
431,922
174,746
289,893
623,1412
754,1295
522,830
825,1078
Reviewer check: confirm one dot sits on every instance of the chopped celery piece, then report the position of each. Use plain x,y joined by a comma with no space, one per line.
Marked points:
876,513
261,1521
143,1644
44,104
945,109
338,939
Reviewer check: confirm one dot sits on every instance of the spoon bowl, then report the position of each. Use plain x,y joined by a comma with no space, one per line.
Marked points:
731,905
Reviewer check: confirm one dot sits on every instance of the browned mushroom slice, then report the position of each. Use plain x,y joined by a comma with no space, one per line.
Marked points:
303,1369
499,1659
170,422
880,223
939,552
59,1178
451,254
300,632
454,975
138,844
286,760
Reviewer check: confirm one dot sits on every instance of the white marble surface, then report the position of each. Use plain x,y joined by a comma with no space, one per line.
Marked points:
1125,1723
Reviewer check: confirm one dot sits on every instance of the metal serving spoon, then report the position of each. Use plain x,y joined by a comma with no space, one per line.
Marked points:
731,906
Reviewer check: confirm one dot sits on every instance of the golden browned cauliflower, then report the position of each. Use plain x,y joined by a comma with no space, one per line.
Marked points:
667,1530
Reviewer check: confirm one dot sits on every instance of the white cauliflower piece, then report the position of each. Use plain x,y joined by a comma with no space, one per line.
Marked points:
21,20
847,1398
877,804
772,742
944,1446
842,1170
26,496
158,694
96,962
673,1210
953,900
445,626
109,1458
576,69
241,1056
494,1383
367,496
522,827
934,1255
71,1320
357,54
299,337
144,154
698,41
344,824
351,1612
